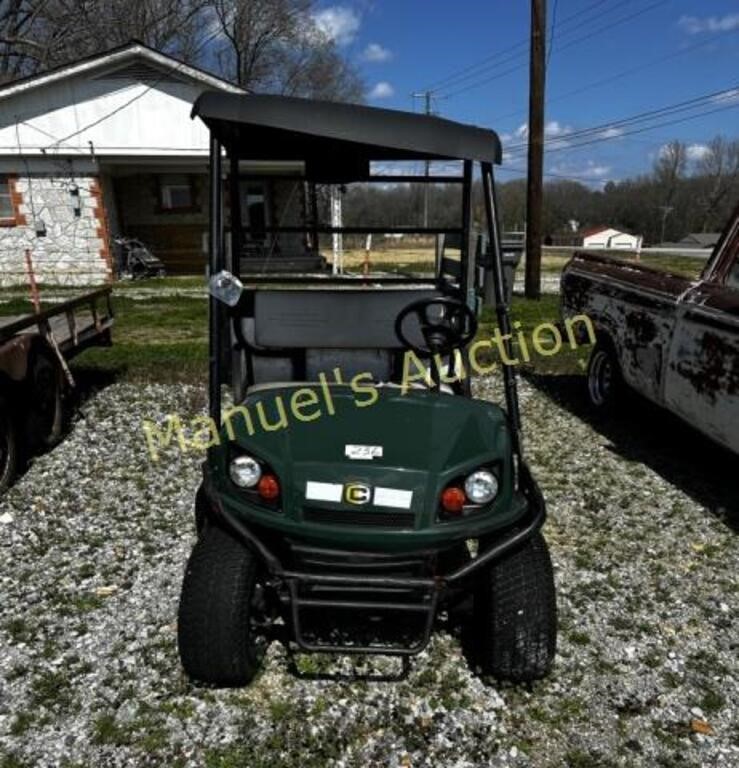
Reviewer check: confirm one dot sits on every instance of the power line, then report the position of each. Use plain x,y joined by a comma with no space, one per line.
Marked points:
645,129
522,43
614,125
589,36
551,33
619,75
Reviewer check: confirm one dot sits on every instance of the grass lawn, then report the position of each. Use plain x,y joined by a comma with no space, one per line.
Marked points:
164,338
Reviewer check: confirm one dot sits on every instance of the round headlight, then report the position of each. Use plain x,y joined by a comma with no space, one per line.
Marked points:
245,471
481,486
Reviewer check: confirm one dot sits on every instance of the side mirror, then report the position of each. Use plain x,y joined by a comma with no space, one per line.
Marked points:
226,288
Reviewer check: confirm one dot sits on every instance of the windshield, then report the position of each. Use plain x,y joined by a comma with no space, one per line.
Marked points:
286,225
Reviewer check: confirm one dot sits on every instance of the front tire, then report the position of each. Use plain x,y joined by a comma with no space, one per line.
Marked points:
515,615
216,633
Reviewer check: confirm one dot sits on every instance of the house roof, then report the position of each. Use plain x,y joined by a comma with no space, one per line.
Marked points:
702,239
289,128
597,230
119,59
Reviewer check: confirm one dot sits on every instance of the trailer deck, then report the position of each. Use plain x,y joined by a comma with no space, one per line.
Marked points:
73,325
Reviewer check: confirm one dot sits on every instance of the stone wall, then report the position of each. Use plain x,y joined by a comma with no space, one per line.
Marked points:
74,249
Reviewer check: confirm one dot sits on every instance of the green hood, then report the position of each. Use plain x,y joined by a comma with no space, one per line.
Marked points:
426,439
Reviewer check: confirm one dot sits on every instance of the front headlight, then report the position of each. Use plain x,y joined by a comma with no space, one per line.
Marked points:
245,471
481,486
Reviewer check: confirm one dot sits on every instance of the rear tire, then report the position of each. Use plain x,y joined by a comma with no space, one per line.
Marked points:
605,383
515,615
8,446
215,631
45,420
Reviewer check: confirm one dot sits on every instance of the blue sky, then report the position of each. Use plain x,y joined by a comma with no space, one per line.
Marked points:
678,49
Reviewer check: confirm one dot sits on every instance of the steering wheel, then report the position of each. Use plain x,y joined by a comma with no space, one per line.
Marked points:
445,325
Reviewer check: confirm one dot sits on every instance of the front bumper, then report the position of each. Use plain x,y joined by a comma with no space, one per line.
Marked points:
303,588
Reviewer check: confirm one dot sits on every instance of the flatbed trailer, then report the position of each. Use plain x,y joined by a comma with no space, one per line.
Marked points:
35,348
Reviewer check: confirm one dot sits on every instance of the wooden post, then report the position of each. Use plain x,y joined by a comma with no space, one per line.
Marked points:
367,249
35,297
535,186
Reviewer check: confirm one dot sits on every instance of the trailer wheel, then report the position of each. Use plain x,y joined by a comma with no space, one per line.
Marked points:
218,630
8,446
515,615
45,410
604,377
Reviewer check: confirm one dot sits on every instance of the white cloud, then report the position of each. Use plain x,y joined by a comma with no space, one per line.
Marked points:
375,53
592,170
339,23
697,151
694,25
552,130
612,133
382,90
728,97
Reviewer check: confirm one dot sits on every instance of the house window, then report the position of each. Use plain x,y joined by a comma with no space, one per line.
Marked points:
7,211
176,193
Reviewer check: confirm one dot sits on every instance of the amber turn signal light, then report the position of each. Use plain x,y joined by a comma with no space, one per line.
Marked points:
268,487
453,500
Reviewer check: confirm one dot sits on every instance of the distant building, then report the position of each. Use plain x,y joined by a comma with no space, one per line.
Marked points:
700,240
608,237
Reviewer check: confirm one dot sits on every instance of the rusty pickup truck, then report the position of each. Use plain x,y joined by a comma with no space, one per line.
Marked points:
672,339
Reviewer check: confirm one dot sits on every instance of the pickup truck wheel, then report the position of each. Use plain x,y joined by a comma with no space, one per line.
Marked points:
8,446
218,632
604,377
45,408
515,615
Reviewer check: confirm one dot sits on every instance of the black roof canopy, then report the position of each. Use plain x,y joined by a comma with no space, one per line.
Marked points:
324,133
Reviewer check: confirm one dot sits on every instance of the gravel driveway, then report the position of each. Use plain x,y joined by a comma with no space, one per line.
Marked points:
93,541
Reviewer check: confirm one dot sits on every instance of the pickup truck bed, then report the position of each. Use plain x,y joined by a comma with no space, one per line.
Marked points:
673,340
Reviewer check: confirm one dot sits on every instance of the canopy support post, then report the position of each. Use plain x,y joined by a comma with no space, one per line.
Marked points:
501,306
236,229
216,264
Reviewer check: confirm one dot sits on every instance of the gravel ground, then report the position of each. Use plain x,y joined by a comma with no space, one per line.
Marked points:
93,541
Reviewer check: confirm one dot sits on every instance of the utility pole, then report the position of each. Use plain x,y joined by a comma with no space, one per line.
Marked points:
535,185
427,96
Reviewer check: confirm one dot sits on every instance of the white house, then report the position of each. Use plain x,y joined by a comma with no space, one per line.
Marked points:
607,237
106,146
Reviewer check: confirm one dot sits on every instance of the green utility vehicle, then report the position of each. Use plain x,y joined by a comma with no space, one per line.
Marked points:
346,506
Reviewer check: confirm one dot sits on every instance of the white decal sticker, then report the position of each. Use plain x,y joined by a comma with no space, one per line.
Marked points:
323,491
363,452
393,497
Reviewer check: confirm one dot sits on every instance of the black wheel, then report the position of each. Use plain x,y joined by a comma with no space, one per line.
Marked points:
218,625
515,615
201,510
604,377
44,399
8,446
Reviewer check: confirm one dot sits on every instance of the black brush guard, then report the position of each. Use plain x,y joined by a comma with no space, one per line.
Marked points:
315,579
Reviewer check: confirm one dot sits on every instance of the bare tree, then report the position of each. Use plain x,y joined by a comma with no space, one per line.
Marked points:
38,34
275,46
719,169
669,168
